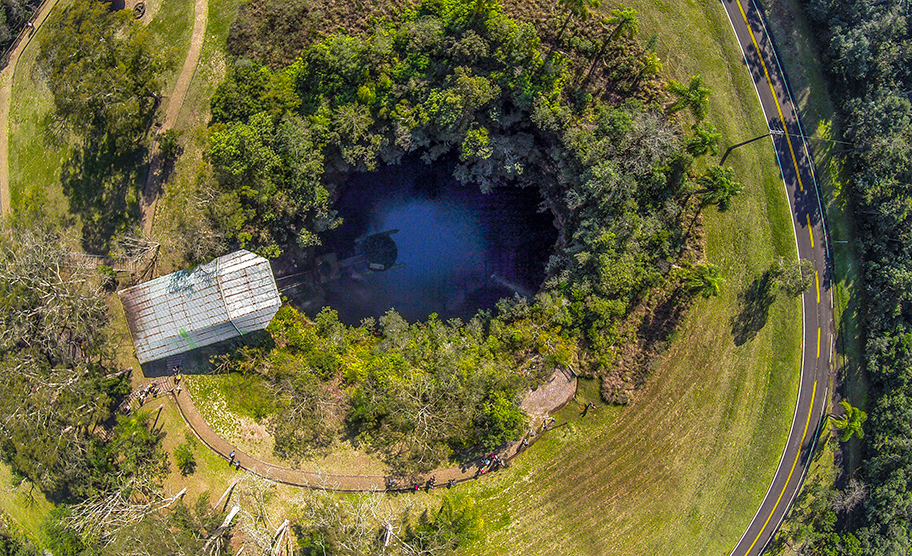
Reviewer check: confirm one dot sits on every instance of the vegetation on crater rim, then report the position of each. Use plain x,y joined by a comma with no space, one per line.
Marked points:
588,129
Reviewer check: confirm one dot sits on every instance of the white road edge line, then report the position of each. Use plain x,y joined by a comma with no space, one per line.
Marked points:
803,323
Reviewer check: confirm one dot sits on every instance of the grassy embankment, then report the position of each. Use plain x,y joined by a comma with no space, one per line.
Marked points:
683,469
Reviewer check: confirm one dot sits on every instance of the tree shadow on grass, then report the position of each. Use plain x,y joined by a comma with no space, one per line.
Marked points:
102,187
755,302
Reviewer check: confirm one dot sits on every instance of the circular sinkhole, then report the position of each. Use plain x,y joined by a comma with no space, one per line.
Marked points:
416,240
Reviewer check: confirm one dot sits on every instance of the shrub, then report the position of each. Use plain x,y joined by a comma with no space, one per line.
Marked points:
184,458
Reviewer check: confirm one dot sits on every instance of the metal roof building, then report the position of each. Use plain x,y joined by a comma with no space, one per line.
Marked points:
228,297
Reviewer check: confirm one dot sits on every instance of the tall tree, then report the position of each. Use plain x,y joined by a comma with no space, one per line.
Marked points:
718,186
651,65
54,355
625,23
705,139
693,96
704,279
793,276
580,9
104,72
851,423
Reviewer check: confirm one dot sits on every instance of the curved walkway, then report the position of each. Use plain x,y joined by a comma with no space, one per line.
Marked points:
812,242
6,98
154,177
355,483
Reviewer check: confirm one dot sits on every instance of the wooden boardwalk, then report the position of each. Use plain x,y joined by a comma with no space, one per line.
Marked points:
439,478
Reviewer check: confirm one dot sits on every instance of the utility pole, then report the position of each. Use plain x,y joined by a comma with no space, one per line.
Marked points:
730,149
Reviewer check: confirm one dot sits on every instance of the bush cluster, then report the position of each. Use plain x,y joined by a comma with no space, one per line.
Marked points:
865,48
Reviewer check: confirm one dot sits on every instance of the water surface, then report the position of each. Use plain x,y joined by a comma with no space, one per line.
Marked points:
461,250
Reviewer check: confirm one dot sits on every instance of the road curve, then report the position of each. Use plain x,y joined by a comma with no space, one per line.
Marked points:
812,239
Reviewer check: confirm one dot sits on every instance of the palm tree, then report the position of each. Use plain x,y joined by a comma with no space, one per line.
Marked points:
579,9
719,186
851,423
705,279
704,140
693,96
625,23
651,65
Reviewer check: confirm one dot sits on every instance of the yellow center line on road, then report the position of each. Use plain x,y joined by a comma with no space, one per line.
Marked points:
772,90
781,494
818,342
817,281
810,230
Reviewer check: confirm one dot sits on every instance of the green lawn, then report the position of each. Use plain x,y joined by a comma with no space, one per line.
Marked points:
682,470
26,507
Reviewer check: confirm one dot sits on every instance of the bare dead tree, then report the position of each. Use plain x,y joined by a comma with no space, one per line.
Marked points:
345,525
855,493
103,516
252,495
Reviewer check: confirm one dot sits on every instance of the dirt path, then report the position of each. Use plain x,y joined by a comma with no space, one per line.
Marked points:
559,390
153,184
6,99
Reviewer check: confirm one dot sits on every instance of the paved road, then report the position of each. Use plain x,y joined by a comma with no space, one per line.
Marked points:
813,244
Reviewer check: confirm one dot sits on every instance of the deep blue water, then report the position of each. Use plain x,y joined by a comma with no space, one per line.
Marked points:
462,250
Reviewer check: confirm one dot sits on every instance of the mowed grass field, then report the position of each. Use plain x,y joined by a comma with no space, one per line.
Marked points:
683,469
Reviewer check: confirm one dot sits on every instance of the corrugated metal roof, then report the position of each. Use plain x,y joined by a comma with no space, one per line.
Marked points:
184,310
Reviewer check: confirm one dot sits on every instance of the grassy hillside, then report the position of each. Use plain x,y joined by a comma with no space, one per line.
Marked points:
683,469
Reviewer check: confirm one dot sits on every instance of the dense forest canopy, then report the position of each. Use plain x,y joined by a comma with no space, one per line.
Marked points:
57,382
457,79
866,52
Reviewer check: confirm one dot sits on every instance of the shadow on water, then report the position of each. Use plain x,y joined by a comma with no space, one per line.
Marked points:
755,302
460,250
